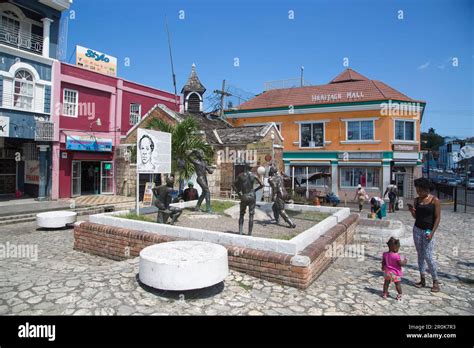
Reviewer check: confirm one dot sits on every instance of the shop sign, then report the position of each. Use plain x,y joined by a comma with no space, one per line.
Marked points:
359,155
88,143
96,61
336,96
154,151
261,151
4,126
404,147
32,172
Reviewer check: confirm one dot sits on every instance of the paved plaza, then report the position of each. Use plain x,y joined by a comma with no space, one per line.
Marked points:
66,282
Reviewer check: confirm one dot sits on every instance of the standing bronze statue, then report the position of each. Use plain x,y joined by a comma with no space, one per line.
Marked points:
163,200
244,187
201,167
279,195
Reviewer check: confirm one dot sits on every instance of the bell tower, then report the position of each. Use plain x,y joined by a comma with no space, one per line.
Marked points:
193,92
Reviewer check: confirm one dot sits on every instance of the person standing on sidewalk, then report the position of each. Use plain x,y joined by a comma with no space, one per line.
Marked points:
392,191
361,196
427,214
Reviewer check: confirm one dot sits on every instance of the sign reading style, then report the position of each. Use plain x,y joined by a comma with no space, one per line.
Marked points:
88,143
96,61
153,151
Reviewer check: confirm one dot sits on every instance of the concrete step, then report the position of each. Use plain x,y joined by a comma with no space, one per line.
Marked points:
81,211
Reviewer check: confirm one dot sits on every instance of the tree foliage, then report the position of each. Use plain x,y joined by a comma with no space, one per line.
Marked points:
184,136
431,140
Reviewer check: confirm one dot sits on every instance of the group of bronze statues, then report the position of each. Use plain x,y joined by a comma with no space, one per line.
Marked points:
246,185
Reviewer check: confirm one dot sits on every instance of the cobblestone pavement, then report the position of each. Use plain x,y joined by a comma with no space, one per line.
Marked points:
65,282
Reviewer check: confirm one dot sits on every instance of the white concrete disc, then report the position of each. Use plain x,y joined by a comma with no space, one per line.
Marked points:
183,265
55,219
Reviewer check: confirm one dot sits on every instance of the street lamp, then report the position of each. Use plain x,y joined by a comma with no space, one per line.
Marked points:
429,156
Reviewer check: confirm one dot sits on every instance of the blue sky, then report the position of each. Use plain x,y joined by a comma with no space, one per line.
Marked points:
414,54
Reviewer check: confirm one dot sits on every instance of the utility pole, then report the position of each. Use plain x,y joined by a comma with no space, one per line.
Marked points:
172,66
223,94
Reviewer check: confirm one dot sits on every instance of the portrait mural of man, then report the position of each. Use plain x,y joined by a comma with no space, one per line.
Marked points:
153,151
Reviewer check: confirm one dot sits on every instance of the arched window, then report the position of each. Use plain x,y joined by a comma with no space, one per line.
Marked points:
194,103
23,90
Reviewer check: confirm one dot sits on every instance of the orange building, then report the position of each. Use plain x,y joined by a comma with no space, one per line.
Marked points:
360,131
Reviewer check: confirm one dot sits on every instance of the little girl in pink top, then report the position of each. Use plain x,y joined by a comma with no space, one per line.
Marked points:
392,267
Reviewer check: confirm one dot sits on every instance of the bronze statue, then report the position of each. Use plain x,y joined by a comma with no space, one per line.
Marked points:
244,187
279,195
163,200
201,168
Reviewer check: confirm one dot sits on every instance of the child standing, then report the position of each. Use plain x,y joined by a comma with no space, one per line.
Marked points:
392,267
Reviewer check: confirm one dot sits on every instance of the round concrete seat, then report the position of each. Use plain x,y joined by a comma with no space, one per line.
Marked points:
55,219
183,265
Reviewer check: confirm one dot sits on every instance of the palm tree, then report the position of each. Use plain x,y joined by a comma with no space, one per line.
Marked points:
184,136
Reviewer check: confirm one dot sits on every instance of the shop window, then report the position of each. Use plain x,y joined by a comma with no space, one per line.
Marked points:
312,135
23,90
405,130
366,177
300,175
360,130
70,102
135,113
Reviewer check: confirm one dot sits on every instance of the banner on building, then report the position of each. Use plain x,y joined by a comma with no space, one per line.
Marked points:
88,143
153,151
4,126
32,172
96,61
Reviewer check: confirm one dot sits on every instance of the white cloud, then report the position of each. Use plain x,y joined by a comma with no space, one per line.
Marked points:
424,66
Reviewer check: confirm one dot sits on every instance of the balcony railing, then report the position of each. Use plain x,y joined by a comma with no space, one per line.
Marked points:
25,41
44,131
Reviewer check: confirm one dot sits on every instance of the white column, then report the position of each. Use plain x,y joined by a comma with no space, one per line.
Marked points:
385,176
334,185
46,29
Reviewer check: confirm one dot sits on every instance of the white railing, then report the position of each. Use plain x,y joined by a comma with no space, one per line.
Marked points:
26,41
288,83
44,131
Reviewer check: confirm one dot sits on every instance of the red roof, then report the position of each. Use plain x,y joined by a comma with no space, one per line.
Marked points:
349,86
349,75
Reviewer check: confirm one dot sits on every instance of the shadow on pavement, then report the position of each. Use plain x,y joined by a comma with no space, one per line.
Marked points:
184,295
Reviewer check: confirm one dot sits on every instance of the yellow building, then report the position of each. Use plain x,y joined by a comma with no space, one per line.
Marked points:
361,131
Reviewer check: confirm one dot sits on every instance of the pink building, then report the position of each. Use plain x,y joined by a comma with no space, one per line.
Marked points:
91,112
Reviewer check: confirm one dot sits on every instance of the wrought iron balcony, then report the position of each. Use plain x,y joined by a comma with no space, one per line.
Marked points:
44,131
25,41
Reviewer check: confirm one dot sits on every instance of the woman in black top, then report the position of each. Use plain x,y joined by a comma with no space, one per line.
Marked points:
427,214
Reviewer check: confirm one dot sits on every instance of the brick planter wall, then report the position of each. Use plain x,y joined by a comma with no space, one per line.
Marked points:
293,270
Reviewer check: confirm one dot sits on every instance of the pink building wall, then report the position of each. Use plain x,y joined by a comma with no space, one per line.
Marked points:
100,96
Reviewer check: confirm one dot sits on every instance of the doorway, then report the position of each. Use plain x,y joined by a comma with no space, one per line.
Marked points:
399,175
90,178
